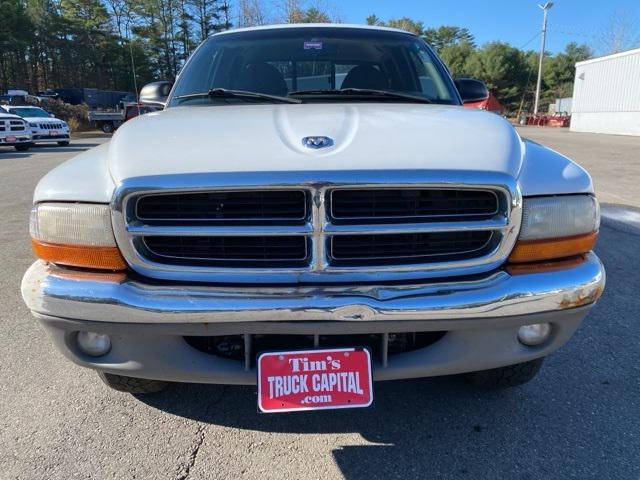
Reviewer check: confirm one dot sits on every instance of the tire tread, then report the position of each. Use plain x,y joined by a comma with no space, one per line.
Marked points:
505,377
132,384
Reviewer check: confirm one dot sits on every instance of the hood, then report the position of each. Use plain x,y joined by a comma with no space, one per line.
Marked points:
263,138
9,116
42,120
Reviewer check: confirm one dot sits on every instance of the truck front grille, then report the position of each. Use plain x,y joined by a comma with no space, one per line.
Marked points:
207,228
12,126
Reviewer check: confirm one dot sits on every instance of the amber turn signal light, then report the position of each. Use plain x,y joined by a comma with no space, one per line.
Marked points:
104,258
553,248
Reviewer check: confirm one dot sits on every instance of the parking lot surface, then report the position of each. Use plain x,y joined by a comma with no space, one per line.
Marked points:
578,419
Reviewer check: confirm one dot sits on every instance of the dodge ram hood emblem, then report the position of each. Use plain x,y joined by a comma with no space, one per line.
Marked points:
317,142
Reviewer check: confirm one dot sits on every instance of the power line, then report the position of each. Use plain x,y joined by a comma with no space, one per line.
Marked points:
530,40
574,34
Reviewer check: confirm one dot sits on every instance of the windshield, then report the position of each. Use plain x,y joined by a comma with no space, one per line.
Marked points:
311,64
29,112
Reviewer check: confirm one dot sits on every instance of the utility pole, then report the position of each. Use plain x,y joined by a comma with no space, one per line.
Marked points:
545,8
133,63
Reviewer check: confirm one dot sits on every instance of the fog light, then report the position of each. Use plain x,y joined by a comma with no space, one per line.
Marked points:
534,334
93,344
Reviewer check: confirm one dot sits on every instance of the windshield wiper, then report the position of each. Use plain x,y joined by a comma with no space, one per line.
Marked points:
362,92
226,93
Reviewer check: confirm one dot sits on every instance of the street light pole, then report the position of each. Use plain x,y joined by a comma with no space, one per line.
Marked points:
545,8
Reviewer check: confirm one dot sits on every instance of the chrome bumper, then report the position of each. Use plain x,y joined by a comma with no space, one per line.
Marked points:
55,292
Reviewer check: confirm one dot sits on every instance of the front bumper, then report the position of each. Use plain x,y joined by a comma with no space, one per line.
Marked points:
42,137
147,320
20,140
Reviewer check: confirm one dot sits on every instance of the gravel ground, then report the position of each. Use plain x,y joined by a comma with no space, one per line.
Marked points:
577,419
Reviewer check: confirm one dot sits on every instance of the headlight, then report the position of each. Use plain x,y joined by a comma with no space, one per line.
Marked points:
557,227
33,125
75,234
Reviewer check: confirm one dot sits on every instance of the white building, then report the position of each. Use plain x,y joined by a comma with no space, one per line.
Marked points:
606,94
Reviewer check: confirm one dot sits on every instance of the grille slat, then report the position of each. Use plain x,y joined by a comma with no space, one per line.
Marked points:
422,204
411,248
227,250
236,206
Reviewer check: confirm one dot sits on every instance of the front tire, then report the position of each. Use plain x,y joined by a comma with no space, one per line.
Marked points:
22,148
506,377
132,384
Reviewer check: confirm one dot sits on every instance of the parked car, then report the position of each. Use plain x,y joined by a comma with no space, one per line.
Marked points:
45,127
108,122
14,132
312,240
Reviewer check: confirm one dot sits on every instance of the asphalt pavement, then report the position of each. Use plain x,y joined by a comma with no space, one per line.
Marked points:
580,418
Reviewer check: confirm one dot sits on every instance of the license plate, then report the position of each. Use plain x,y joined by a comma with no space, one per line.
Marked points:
314,380
10,139
53,133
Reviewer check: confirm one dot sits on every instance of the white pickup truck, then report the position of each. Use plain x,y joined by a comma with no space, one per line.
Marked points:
14,132
313,210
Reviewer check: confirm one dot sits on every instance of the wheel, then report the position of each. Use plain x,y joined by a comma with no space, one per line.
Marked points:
63,144
107,127
505,377
22,148
131,384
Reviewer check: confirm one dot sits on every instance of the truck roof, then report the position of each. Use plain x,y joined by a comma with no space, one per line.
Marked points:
312,25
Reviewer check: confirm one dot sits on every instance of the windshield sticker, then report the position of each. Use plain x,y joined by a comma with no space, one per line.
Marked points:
315,45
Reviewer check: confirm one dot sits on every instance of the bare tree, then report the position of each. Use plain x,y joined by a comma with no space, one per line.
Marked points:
621,33
306,11
119,11
251,13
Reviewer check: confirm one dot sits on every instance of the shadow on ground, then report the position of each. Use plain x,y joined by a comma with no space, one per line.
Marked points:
74,147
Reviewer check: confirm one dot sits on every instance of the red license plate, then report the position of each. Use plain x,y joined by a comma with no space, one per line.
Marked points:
314,380
53,133
11,139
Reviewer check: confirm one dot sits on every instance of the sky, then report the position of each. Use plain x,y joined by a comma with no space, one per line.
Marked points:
512,21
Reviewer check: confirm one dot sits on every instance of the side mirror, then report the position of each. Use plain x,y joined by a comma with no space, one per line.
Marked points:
471,90
155,94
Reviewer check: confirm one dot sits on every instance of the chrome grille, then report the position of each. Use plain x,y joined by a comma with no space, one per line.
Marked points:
300,226
17,125
12,126
50,126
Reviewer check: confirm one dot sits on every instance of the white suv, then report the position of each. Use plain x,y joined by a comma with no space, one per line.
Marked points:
45,128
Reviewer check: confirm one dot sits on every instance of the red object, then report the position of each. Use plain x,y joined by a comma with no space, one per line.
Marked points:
549,121
133,110
314,380
559,121
490,104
